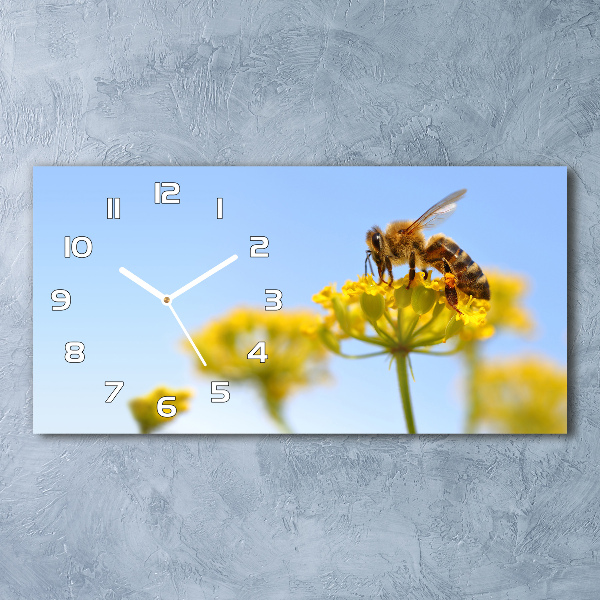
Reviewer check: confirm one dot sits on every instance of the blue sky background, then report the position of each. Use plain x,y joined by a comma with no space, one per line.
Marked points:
512,218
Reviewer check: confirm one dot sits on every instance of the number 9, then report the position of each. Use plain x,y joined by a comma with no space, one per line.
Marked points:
61,296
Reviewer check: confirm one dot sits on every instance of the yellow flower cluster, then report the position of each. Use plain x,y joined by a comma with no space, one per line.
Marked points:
145,411
296,358
403,319
521,395
507,311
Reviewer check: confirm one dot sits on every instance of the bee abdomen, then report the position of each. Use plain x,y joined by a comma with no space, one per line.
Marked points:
469,277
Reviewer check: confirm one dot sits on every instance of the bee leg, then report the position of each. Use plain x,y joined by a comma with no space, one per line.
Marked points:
450,288
368,260
388,266
411,273
425,274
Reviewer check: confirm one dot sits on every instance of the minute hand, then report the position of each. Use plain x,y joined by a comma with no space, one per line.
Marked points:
206,275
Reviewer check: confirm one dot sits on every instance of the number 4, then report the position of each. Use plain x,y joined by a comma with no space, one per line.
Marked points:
259,352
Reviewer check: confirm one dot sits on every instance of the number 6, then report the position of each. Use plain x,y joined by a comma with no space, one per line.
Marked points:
161,405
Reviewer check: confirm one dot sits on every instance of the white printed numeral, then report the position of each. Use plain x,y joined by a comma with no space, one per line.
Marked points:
256,247
219,208
161,405
117,389
113,208
163,198
276,301
74,349
259,352
216,389
61,296
71,246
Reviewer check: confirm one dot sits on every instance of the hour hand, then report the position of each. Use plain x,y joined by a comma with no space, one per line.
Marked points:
206,275
142,283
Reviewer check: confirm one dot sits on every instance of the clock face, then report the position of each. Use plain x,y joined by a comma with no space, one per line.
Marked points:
180,299
129,262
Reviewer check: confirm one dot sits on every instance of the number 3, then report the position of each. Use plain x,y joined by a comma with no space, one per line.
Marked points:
277,300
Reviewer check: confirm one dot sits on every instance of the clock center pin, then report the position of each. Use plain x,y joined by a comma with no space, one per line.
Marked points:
166,299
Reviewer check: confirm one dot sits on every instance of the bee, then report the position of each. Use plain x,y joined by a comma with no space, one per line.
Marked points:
403,242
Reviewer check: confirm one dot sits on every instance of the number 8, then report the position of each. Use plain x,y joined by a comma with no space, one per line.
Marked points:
74,349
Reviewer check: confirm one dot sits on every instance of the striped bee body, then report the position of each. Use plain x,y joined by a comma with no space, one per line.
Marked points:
470,279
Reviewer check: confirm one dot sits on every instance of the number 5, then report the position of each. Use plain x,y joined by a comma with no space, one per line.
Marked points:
215,389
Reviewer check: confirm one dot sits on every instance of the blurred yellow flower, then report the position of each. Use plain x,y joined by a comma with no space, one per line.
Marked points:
296,357
507,311
520,395
145,410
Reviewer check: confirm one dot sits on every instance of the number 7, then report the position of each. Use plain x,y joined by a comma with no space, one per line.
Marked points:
117,389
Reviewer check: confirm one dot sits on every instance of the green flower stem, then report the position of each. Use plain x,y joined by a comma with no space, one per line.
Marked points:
411,327
424,327
389,319
382,333
472,363
399,324
401,363
448,353
429,341
369,339
362,355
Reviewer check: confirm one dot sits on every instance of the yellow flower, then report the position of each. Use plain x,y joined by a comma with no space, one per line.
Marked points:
145,410
522,395
296,357
398,320
507,311
403,320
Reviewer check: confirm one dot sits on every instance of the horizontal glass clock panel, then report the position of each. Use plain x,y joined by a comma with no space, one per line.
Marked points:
278,300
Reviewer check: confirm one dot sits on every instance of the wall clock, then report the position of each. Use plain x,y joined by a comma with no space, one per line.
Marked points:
134,265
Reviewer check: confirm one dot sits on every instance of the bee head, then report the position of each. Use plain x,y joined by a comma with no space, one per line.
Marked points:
375,241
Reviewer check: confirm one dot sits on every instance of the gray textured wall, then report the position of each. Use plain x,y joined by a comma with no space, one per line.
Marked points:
301,83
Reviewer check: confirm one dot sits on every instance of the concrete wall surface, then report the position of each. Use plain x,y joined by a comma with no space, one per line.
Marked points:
307,82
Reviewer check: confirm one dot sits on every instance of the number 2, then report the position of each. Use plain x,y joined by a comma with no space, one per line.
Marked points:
256,247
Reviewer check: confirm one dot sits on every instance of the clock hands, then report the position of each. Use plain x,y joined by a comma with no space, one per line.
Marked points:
187,335
142,283
167,300
206,275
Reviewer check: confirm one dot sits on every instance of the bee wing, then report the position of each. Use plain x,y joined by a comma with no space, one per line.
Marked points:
438,212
